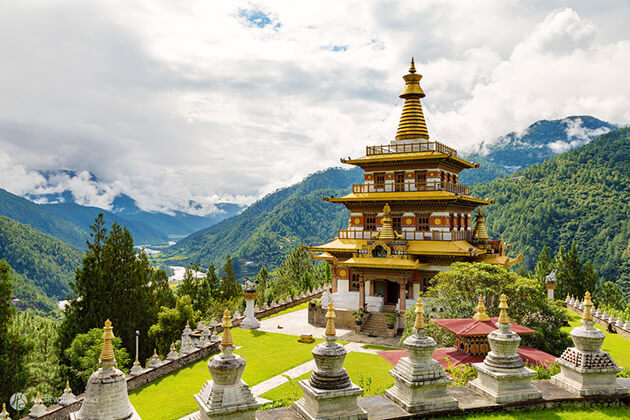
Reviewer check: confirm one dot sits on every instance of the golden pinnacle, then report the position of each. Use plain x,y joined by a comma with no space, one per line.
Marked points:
588,314
107,354
330,321
419,325
226,340
412,67
154,352
503,317
481,314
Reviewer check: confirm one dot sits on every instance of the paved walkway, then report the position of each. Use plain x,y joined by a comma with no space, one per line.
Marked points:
295,323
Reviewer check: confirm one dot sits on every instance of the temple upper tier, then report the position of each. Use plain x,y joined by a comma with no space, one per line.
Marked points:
409,219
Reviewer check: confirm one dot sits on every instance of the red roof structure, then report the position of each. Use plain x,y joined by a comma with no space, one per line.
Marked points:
471,327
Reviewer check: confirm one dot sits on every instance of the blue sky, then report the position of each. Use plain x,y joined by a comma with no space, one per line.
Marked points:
176,103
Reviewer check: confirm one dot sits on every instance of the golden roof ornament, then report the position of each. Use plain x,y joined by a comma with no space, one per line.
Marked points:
4,415
587,316
330,321
481,314
387,232
480,232
107,353
503,317
419,325
412,124
226,340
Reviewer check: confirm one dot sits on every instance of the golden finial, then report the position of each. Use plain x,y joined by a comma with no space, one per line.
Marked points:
503,317
480,232
68,385
387,232
481,314
107,354
4,415
419,325
37,397
412,123
412,68
330,321
154,352
588,314
226,340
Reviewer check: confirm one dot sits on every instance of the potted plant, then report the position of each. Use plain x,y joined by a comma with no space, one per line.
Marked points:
358,316
390,320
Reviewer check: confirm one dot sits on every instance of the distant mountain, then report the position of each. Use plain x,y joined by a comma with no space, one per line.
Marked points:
581,196
27,212
266,231
45,265
540,141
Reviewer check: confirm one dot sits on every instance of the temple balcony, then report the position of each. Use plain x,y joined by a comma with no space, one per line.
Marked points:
412,186
462,235
424,146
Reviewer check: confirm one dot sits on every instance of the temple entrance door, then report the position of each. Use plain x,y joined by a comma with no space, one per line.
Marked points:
393,292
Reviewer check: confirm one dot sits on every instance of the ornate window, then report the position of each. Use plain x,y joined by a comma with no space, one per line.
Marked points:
397,222
379,252
354,283
370,222
379,181
422,220
421,180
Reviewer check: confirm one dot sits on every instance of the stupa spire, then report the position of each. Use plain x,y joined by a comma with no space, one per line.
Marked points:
412,124
387,232
480,232
503,317
419,324
481,314
330,321
107,353
587,316
226,340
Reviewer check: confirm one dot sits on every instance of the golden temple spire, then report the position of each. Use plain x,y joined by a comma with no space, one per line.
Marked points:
480,233
226,340
4,414
588,314
107,353
503,318
330,321
419,325
412,124
481,314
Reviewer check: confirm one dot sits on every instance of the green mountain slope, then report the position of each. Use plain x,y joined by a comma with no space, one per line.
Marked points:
27,212
41,259
582,195
266,231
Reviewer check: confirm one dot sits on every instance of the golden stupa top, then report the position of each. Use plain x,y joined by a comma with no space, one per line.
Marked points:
226,340
4,414
503,318
481,314
588,304
419,325
387,232
412,124
480,232
330,321
107,353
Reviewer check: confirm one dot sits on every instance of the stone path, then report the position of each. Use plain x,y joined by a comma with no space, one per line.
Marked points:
294,323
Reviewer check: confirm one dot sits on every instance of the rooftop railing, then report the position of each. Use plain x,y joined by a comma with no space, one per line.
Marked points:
412,186
428,146
462,235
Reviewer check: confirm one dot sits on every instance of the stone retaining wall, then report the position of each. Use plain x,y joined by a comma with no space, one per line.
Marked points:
344,318
287,305
604,323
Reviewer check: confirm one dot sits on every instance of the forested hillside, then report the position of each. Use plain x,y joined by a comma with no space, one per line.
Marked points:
27,212
580,196
44,264
266,231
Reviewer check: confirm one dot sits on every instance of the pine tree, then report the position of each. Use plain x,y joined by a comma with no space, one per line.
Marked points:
569,276
229,286
544,266
589,277
261,280
13,348
213,282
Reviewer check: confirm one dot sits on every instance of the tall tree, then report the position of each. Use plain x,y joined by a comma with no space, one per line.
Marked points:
213,282
610,294
544,266
229,287
13,349
261,280
290,275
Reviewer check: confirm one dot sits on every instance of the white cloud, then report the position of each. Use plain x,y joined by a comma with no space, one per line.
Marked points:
176,103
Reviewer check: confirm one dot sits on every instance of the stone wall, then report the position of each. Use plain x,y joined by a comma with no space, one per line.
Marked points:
287,305
604,323
317,317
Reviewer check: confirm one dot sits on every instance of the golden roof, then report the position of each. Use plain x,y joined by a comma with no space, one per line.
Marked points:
389,157
406,195
374,262
497,259
480,231
458,248
412,124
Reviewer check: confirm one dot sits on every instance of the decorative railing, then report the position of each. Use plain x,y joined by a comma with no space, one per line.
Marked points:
412,186
462,235
429,146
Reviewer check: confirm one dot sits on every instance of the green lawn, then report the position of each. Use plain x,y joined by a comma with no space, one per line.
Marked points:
616,345
380,348
568,413
266,354
302,305
363,368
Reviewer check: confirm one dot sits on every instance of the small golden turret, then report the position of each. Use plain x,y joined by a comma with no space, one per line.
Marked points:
480,233
387,232
481,314
107,353
4,415
503,317
330,321
412,124
419,325
588,304
226,340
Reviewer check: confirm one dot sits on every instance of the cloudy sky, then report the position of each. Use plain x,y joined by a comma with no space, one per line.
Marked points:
174,102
